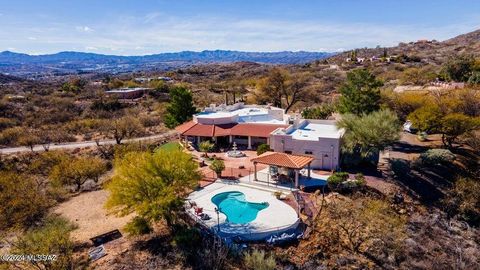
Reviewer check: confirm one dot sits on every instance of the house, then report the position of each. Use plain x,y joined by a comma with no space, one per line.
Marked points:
318,138
252,125
246,125
165,79
127,93
142,80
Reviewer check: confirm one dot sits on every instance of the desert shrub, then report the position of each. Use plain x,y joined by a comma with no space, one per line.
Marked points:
150,121
10,136
321,112
262,148
21,202
51,238
459,68
77,171
259,260
463,200
6,123
122,128
109,105
360,178
474,78
436,157
417,76
473,140
400,167
185,236
138,226
83,125
45,161
336,179
120,150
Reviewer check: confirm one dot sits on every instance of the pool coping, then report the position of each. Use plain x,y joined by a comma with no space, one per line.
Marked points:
278,218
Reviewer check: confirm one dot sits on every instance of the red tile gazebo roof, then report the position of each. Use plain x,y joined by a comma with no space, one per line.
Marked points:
283,160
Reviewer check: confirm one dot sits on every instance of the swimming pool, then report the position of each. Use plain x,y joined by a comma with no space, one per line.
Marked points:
237,209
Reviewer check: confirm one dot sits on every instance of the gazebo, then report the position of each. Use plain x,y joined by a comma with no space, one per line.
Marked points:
295,162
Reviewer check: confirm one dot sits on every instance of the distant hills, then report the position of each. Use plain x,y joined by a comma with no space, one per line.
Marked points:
20,64
429,51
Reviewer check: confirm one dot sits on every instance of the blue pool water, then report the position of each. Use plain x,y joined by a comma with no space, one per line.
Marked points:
236,208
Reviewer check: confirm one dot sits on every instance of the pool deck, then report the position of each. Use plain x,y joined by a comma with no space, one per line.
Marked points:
264,179
277,217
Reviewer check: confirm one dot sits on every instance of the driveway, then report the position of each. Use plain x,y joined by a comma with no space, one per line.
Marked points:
84,144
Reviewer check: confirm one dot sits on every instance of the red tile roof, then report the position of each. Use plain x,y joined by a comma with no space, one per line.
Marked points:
200,130
256,130
244,129
224,130
185,126
283,160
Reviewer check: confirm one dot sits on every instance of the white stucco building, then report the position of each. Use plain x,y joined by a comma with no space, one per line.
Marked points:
319,138
251,125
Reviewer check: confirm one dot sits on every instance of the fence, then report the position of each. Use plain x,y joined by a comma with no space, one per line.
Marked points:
227,173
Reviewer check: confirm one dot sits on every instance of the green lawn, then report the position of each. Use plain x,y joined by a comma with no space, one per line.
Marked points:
170,146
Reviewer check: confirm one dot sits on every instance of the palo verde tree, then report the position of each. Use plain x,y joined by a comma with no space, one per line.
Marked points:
122,128
77,171
52,238
368,134
22,203
181,107
360,93
153,185
449,115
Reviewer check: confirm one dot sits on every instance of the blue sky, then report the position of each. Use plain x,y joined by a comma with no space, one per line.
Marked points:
127,27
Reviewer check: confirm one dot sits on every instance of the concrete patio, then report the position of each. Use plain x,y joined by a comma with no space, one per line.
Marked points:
264,178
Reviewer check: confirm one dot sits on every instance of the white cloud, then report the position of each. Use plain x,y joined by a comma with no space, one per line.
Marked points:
156,32
84,29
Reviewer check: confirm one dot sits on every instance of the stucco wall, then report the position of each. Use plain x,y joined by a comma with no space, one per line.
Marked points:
325,150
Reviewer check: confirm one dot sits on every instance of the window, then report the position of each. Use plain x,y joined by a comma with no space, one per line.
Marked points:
308,153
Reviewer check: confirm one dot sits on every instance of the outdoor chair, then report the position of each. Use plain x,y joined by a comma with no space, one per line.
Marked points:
198,211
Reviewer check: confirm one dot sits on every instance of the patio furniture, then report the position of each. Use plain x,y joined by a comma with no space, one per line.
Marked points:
106,237
204,216
192,204
198,211
96,253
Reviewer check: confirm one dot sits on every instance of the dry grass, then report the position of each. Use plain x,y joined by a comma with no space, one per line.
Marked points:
87,211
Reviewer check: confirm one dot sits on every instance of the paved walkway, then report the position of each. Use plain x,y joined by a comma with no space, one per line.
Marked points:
84,144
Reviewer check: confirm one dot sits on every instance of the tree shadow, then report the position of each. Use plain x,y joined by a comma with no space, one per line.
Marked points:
159,245
428,183
407,148
421,188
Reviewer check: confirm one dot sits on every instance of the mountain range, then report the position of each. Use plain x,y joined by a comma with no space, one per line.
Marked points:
20,64
429,51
